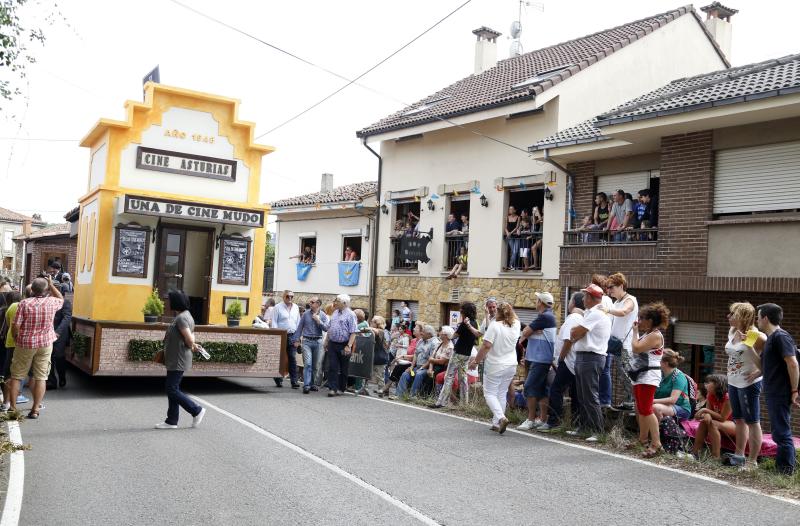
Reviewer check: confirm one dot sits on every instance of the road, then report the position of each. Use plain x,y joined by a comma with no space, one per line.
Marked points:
276,456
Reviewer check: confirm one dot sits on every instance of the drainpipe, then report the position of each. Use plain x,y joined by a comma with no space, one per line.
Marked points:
570,185
374,252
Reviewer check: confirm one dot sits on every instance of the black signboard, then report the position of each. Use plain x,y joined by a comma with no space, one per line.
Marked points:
361,359
415,249
234,264
131,251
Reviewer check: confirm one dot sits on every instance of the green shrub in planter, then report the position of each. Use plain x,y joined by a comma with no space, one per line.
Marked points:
234,310
80,344
221,352
153,306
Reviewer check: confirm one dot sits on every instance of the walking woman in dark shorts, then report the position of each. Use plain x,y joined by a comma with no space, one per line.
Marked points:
179,345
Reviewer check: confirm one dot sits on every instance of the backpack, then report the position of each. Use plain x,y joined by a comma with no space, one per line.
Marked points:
673,437
692,396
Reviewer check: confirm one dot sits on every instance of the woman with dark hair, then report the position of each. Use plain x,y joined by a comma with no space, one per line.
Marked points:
716,417
467,333
179,345
646,371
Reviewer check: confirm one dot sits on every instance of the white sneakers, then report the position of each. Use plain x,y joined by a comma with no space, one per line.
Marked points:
195,421
164,425
530,425
199,418
592,438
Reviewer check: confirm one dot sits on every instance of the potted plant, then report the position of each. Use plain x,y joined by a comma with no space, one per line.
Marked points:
153,307
234,313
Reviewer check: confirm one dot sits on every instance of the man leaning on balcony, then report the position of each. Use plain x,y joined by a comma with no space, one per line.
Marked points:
622,216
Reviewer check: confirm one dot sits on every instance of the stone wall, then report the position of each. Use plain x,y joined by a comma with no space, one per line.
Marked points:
431,293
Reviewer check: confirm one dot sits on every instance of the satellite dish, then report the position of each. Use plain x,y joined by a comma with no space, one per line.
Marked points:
516,29
516,48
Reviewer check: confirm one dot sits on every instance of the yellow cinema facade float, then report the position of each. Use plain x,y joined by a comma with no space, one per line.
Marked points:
172,203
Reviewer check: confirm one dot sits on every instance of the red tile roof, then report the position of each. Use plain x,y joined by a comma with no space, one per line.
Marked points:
512,80
10,215
60,229
340,194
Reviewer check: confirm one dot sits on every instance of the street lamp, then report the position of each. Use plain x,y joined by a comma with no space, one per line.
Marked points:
431,206
484,201
385,209
548,194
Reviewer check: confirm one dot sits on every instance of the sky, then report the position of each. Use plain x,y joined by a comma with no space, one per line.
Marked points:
97,52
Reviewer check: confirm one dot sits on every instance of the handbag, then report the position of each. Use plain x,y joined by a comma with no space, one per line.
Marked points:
615,344
158,357
633,374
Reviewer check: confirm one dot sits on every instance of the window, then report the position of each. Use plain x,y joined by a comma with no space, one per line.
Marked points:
8,241
308,249
544,75
406,221
354,244
523,249
757,179
695,342
456,229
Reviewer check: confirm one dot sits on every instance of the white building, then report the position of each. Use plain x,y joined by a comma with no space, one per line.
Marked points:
464,149
13,224
327,222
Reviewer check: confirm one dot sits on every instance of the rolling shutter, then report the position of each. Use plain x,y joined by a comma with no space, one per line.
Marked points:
694,333
630,182
757,179
413,305
526,316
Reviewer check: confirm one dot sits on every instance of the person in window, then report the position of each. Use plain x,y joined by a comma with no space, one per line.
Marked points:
464,224
410,229
646,212
399,229
453,227
601,212
461,263
621,215
412,218
525,240
350,254
538,222
510,231
307,256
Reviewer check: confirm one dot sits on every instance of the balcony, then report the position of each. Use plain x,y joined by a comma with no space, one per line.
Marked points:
523,252
602,237
454,246
398,262
588,251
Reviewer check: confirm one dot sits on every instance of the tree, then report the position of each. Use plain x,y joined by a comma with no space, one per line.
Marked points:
269,253
15,39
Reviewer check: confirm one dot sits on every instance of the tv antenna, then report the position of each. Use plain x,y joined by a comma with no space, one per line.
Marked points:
516,26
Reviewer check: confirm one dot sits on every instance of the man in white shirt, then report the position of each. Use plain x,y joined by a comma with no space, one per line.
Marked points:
590,341
490,313
286,316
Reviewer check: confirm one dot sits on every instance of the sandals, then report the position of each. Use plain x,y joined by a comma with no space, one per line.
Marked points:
630,446
653,453
33,415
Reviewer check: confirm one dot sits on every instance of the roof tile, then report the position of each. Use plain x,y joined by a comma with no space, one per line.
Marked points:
340,194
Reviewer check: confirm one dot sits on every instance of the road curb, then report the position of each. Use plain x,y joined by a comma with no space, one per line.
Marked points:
16,478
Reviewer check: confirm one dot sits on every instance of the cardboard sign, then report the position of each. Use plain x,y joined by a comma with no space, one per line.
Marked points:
361,359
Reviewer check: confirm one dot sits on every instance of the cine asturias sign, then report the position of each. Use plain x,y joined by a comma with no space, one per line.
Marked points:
197,211
185,164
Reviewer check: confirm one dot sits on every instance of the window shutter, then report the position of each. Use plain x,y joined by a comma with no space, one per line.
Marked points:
757,179
694,333
526,316
630,182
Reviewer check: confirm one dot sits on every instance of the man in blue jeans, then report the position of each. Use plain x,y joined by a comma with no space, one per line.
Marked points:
312,324
781,377
425,347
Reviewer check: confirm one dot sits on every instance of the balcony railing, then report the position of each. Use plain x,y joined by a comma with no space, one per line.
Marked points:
603,237
398,262
454,246
523,252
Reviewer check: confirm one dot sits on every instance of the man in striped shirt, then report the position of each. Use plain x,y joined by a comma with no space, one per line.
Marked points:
34,334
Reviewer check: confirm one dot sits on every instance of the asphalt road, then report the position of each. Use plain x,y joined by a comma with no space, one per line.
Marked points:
275,456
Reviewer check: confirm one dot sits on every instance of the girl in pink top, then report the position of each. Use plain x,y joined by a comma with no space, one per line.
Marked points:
716,417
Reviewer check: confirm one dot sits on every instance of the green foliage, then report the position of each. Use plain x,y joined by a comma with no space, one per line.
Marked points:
80,344
269,252
15,38
221,352
153,306
234,310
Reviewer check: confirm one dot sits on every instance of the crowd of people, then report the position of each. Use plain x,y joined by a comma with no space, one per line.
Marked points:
605,331
523,235
616,219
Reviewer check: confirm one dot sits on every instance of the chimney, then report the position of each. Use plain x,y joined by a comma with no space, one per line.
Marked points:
327,184
485,49
718,23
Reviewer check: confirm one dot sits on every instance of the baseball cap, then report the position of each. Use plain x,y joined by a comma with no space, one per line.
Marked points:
593,290
546,298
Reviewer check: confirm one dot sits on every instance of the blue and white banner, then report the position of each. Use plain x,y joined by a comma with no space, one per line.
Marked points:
302,271
349,272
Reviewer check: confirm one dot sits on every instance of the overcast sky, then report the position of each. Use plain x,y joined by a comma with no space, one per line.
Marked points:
94,59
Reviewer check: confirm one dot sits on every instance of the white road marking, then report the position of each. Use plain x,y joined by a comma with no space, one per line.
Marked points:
322,462
16,479
786,500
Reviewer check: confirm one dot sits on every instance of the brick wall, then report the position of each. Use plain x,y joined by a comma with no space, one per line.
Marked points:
39,249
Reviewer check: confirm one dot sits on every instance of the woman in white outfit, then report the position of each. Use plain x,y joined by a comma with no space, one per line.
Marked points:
623,314
499,352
